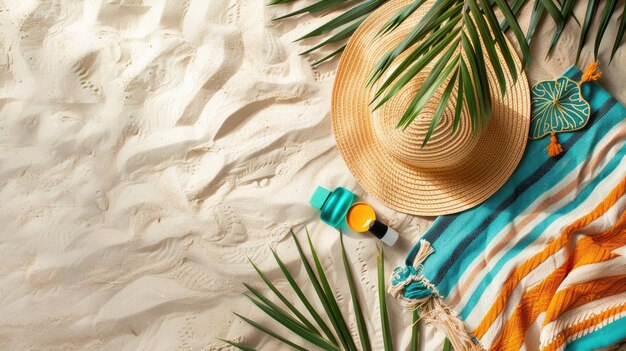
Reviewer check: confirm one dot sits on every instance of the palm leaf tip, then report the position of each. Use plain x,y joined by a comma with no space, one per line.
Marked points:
609,8
384,316
620,34
270,332
237,345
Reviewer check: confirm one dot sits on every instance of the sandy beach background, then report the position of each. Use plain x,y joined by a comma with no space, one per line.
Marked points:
148,147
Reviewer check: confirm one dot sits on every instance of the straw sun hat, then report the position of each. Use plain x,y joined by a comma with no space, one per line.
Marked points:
453,172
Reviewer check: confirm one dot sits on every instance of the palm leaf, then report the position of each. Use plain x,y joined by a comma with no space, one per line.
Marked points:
609,8
415,332
271,333
502,44
384,316
535,17
511,22
446,14
434,17
342,35
323,291
568,6
459,104
295,327
356,12
468,92
343,328
492,53
592,6
360,320
279,311
321,5
620,33
401,16
441,71
440,107
414,69
329,56
237,345
553,9
433,45
320,293
282,298
475,55
276,2
305,301
514,8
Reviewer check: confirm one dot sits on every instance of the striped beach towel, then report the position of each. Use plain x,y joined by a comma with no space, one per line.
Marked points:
541,265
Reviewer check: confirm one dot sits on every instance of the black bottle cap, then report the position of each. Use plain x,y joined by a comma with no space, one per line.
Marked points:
379,229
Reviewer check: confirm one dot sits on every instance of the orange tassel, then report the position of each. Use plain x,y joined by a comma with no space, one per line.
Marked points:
554,149
591,73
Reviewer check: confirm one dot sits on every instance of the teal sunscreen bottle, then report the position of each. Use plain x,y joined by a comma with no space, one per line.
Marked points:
340,209
333,205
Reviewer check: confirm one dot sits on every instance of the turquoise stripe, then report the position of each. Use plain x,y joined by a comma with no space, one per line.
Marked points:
576,155
539,229
466,222
606,336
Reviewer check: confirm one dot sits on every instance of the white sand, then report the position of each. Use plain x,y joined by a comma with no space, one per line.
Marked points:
147,148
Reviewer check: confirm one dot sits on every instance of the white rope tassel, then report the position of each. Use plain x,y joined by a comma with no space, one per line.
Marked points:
423,253
441,316
431,305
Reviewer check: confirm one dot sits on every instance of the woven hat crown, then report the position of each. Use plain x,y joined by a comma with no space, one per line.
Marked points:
444,149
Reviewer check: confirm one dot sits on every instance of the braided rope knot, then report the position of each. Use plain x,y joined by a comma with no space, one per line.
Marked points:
408,283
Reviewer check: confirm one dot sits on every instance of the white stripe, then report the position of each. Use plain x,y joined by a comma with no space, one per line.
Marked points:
600,192
580,314
575,173
594,271
516,296
620,251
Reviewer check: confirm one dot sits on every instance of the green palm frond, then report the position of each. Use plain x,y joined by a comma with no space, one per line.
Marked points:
323,5
277,2
358,313
300,325
384,316
415,336
620,33
451,36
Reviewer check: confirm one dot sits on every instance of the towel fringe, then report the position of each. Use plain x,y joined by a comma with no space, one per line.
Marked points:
414,291
440,316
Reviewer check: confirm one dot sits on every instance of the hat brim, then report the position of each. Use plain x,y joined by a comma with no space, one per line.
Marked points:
404,187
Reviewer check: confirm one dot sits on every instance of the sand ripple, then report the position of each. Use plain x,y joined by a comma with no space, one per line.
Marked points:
147,148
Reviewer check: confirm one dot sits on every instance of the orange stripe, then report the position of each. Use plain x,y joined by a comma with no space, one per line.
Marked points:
521,271
534,301
597,319
588,250
580,294
542,297
510,235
